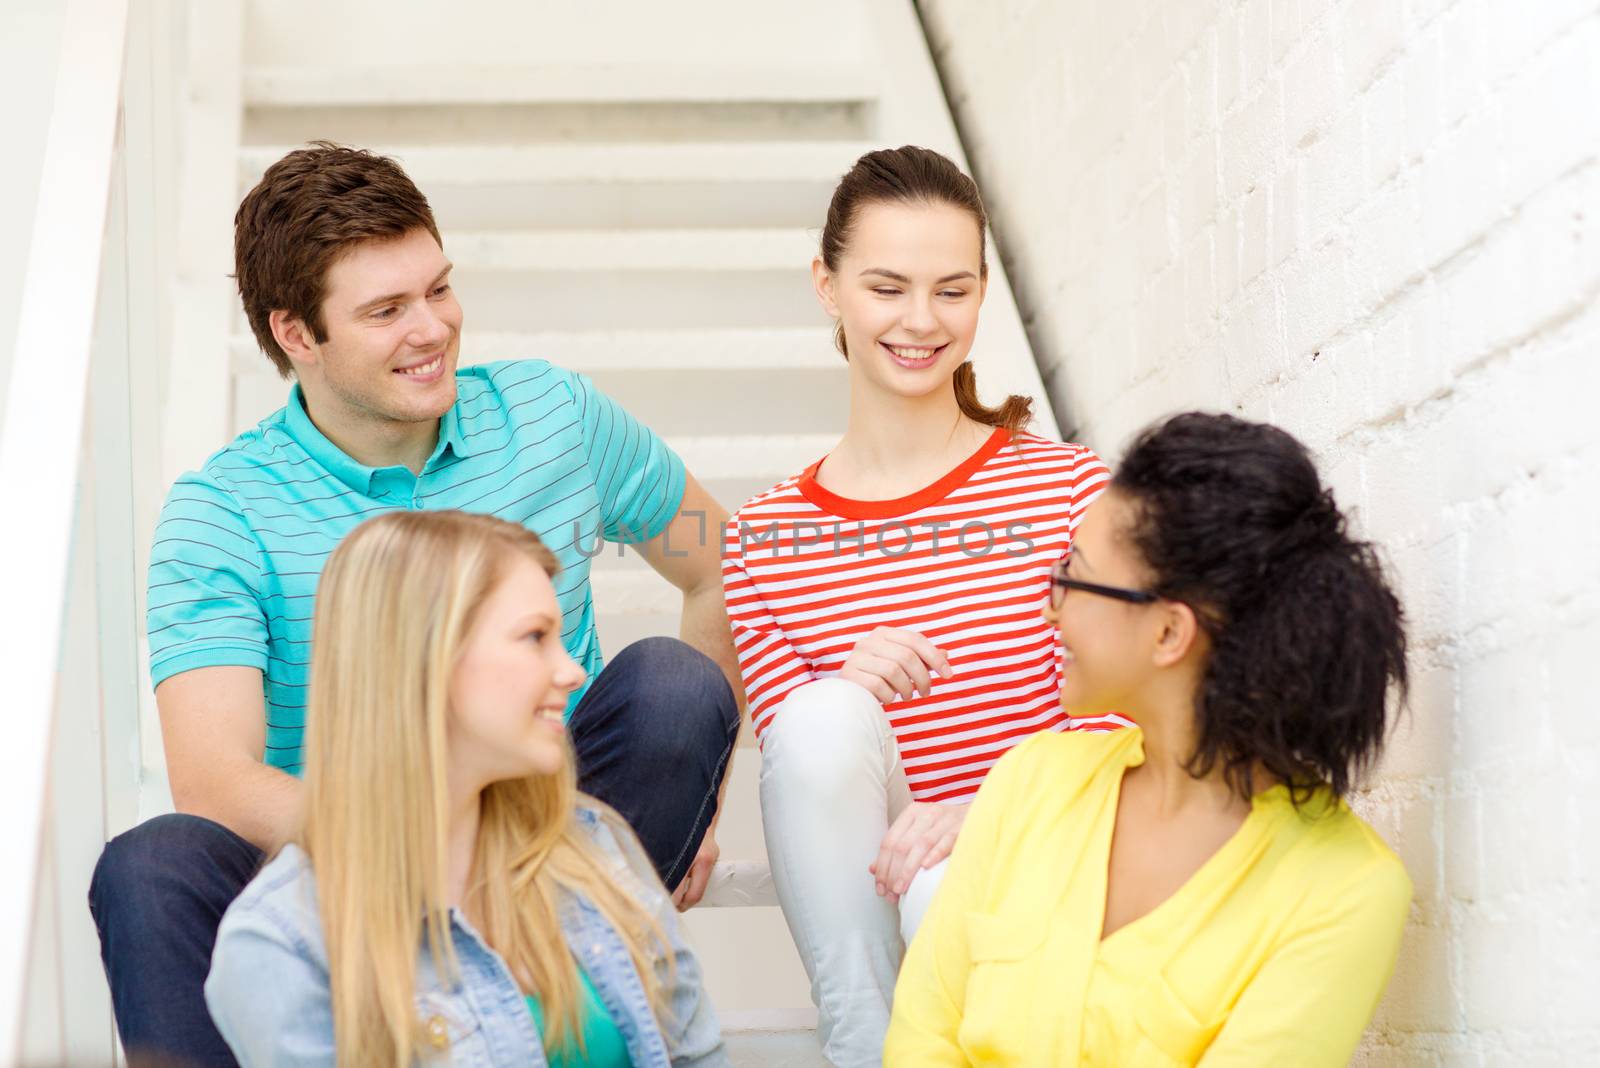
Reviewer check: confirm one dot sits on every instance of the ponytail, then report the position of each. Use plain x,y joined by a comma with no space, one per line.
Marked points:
1297,682
1014,413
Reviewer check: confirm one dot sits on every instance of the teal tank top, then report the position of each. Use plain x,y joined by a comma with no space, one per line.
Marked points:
602,1041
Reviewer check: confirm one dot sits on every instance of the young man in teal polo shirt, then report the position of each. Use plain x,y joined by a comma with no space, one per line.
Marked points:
347,288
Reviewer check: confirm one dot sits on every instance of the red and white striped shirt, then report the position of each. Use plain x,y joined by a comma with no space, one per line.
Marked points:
965,562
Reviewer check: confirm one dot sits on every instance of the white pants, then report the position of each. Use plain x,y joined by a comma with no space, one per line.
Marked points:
831,783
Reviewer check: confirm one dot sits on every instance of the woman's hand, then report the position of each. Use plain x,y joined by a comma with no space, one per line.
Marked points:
894,664
922,837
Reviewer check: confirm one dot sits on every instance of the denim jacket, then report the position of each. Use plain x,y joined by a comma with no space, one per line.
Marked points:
268,987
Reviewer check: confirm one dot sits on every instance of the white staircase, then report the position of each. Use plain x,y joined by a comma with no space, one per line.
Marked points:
647,221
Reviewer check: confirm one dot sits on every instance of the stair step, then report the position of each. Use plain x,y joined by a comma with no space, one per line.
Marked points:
752,969
758,402
619,630
737,884
670,300
616,185
789,250
559,123
592,351
630,592
471,104
739,829
772,1048
489,165
668,279
589,82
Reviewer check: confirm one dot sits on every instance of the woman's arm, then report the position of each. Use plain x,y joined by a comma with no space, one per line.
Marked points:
688,554
693,1035
1311,1001
267,996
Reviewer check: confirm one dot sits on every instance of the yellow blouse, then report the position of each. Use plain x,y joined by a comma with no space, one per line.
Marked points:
1274,953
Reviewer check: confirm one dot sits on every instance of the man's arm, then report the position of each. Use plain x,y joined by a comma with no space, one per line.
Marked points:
688,554
214,727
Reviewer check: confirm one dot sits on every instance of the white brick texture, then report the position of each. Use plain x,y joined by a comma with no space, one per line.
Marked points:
1377,223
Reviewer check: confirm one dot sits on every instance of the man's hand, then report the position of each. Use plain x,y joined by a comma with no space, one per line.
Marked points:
922,837
688,554
693,887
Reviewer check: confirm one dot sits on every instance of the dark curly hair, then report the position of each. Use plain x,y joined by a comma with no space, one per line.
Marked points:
1306,636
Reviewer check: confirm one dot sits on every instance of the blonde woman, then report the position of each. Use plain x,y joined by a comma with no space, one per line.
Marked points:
452,897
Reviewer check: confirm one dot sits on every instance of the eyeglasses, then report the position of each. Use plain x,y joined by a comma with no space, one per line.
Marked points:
1060,584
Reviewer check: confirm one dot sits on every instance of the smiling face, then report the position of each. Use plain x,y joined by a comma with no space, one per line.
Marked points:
906,290
393,337
1112,648
508,695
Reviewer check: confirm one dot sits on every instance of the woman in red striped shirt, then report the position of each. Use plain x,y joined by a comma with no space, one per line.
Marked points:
885,601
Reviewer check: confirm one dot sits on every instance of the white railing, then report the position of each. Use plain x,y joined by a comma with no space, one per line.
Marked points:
67,633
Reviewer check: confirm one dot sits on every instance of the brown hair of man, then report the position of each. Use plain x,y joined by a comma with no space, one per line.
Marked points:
308,210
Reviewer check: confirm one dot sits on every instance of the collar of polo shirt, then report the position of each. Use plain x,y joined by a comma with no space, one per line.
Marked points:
358,476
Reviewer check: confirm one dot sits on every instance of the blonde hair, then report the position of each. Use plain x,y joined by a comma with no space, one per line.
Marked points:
394,606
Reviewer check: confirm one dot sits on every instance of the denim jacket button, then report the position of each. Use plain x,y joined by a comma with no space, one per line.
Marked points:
438,1032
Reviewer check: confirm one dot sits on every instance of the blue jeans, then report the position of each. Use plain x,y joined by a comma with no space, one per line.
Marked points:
652,736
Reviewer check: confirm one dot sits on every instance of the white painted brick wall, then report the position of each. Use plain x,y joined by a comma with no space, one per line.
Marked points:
1377,223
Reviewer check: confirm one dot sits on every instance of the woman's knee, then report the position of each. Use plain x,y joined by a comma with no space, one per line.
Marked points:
673,696
824,731
918,896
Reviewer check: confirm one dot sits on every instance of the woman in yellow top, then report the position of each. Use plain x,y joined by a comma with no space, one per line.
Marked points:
1194,890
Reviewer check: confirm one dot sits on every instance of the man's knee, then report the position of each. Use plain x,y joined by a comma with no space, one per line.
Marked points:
142,857
679,689
168,854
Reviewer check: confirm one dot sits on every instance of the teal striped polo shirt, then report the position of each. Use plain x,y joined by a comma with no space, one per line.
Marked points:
241,542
